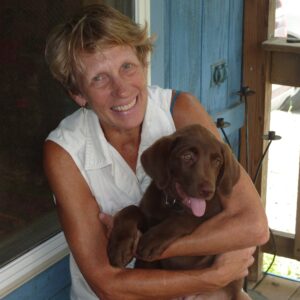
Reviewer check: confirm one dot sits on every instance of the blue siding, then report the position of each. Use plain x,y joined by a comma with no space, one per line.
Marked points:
52,284
214,47
183,52
192,36
158,56
235,47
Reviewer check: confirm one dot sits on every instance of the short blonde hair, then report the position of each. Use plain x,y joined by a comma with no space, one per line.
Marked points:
96,27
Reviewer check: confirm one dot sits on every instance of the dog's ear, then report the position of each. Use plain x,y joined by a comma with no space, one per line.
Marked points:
155,161
230,171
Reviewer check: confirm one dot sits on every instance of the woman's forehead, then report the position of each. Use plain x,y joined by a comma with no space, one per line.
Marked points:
109,52
107,56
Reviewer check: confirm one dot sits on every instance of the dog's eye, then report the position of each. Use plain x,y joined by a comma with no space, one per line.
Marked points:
218,161
188,157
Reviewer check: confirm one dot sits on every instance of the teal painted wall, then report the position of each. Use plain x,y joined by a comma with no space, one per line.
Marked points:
192,36
52,284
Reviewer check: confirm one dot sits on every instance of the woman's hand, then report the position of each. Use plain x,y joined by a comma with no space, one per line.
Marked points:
108,221
234,265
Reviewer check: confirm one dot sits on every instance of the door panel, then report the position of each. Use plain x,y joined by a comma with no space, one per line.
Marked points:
194,37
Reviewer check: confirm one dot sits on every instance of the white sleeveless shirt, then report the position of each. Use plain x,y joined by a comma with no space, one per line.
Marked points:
111,181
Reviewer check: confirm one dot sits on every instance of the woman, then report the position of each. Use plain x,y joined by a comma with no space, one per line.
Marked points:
92,161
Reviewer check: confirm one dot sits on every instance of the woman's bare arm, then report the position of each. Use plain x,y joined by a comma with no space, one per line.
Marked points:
79,215
242,223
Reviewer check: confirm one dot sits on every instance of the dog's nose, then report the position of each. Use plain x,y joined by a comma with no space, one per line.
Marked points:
206,193
206,190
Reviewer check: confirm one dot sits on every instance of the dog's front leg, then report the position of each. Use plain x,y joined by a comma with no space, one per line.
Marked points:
128,224
153,242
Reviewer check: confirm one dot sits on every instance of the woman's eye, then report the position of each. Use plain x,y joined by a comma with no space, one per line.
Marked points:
128,67
100,77
100,80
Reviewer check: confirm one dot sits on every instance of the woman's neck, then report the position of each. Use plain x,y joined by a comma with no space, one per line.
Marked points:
126,142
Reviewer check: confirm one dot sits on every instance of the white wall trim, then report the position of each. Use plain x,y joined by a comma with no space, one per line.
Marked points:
142,16
29,265
142,11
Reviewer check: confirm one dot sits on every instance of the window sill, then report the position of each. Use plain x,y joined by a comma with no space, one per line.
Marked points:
284,62
281,45
26,267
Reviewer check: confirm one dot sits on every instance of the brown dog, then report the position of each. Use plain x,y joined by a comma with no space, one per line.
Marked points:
190,169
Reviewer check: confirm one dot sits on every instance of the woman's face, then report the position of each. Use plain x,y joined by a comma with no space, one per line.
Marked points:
114,84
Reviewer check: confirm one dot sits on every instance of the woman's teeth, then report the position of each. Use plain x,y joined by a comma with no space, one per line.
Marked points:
124,107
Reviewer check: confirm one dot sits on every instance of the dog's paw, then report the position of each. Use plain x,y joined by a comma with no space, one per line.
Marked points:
151,245
122,247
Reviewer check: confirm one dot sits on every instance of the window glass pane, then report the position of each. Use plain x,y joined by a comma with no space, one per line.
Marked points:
283,163
32,104
283,159
293,17
287,18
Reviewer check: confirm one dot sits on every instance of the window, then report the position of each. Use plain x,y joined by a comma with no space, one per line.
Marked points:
32,105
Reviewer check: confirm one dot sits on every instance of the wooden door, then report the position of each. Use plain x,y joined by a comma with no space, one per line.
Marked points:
193,37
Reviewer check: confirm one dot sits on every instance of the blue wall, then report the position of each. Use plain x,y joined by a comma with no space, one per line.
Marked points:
191,37
52,284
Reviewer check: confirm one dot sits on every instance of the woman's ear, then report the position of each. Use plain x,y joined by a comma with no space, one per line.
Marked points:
78,98
230,172
155,162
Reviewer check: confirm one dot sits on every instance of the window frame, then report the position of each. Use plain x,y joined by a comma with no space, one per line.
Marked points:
32,263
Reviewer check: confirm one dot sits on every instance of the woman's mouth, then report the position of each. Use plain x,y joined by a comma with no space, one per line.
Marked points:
126,107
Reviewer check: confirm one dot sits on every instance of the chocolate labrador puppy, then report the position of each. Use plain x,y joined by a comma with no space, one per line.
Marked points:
189,169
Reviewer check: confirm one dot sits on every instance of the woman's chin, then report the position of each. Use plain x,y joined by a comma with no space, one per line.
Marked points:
130,119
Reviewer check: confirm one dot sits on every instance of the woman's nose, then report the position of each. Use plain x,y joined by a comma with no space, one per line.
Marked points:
120,88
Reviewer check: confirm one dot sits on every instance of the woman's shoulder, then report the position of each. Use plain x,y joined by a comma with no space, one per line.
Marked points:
70,131
158,94
160,97
72,121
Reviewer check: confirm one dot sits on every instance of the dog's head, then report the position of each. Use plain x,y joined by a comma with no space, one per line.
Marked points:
191,165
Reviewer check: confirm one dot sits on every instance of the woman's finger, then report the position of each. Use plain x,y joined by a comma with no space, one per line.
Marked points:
108,221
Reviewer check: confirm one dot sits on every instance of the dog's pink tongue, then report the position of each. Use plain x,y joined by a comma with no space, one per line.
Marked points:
198,206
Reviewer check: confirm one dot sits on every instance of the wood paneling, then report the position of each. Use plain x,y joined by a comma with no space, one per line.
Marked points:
284,61
256,14
281,45
284,244
285,68
254,76
277,288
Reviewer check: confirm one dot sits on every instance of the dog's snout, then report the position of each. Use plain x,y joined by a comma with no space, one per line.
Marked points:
206,190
